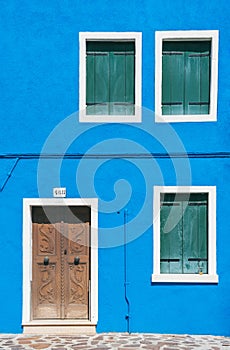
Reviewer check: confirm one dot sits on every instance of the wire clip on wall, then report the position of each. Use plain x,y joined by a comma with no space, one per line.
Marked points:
9,174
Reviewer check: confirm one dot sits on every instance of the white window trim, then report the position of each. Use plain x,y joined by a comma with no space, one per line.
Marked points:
211,277
192,35
112,36
28,203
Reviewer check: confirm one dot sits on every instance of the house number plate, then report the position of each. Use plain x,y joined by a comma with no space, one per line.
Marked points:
59,192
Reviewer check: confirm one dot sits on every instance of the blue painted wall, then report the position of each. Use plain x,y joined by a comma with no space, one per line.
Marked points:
39,88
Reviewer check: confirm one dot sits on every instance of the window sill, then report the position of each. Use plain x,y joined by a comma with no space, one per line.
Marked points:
180,118
90,118
185,278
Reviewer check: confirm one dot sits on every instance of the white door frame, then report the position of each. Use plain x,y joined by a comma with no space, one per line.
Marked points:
28,203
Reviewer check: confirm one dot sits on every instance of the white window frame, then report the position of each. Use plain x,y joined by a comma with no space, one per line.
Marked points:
110,36
28,204
212,276
192,35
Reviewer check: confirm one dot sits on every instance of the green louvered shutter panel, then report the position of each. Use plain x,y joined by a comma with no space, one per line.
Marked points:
97,78
110,78
197,79
117,83
122,76
172,79
130,81
205,79
186,77
195,253
102,83
171,237
90,86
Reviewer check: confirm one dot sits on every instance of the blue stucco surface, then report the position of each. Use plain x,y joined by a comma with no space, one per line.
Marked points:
39,82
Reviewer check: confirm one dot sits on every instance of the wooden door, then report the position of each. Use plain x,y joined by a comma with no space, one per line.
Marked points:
60,281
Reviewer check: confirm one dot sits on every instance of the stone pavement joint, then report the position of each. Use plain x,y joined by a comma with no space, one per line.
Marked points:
114,341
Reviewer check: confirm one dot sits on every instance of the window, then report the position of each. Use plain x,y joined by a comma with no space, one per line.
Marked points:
186,76
184,234
110,77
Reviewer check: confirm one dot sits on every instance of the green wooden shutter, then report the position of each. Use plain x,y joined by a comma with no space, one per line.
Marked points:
130,81
117,83
195,253
191,238
97,78
183,234
171,237
172,80
110,78
205,78
203,237
197,79
186,77
90,86
102,83
122,78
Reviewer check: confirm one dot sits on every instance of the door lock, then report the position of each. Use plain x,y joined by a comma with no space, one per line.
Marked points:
46,261
76,260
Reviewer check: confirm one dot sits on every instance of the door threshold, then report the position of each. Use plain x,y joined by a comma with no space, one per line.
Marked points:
59,327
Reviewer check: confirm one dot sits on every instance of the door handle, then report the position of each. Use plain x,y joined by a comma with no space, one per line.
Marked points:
46,261
76,260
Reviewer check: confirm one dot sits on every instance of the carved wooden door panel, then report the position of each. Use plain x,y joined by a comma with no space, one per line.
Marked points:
60,282
46,278
77,271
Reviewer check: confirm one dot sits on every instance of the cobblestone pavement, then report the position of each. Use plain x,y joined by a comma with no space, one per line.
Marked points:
114,341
